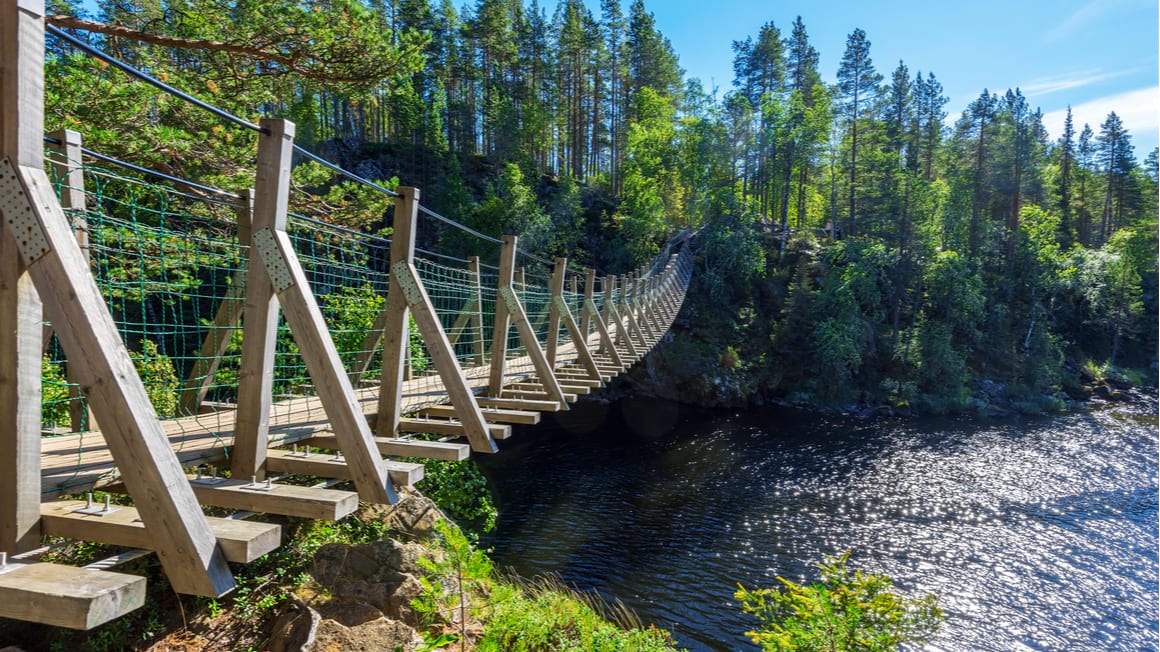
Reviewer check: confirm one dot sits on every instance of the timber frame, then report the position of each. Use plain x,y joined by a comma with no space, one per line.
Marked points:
124,447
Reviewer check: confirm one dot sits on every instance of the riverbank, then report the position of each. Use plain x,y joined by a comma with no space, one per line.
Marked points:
402,578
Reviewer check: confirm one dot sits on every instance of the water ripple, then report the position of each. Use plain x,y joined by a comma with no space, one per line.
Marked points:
1039,534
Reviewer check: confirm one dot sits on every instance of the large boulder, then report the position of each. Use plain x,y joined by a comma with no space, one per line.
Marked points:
381,573
341,626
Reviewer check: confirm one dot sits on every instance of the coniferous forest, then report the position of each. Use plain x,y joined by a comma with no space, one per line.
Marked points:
855,246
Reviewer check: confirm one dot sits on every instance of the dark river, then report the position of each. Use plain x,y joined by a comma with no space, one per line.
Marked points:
1039,534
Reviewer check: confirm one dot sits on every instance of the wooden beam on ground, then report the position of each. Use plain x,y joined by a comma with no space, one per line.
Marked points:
326,465
241,541
284,499
516,417
396,447
309,328
67,596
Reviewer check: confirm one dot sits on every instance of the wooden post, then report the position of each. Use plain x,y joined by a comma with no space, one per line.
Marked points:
225,322
396,325
589,297
555,289
284,270
21,125
509,310
502,323
49,252
67,166
260,324
477,292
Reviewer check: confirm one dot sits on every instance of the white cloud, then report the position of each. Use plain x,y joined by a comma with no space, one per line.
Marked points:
1080,18
1055,83
1138,109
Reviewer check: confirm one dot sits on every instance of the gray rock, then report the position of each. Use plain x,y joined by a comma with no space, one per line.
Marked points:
380,573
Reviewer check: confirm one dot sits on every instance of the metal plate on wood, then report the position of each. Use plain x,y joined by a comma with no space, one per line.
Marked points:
266,242
19,215
509,299
401,271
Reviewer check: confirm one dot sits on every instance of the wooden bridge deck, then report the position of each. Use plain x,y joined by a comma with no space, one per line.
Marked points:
78,462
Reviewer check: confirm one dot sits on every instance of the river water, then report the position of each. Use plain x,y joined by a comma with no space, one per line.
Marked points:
1037,533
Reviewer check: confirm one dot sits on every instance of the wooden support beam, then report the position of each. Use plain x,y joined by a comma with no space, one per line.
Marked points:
453,428
21,335
225,322
284,499
241,541
539,394
569,389
393,446
579,339
307,324
443,357
516,417
67,596
589,297
328,466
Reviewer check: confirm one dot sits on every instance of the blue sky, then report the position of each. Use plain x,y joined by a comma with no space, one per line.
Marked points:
1096,55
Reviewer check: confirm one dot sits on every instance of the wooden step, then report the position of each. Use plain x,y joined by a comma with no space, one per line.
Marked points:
325,465
241,541
575,381
447,451
67,596
284,499
451,428
518,404
492,415
535,395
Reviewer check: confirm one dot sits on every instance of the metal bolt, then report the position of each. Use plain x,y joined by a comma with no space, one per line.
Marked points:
3,559
89,500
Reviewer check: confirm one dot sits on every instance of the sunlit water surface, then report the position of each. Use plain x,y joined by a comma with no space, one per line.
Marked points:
1038,534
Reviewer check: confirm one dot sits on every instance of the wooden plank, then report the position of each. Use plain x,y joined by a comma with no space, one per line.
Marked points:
555,289
67,596
110,382
284,499
493,415
221,330
443,357
539,389
447,451
520,404
21,335
327,466
452,428
241,541
589,296
538,395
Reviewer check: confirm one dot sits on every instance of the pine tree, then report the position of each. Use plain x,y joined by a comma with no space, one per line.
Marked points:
1117,161
1066,155
858,85
1084,158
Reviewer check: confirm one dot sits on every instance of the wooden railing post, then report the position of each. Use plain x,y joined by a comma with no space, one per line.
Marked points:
508,310
555,289
21,126
67,166
407,299
499,333
589,297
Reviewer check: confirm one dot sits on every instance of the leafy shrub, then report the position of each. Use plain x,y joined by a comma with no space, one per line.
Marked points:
847,611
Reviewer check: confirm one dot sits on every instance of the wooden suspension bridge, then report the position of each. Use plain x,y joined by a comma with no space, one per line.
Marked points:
346,427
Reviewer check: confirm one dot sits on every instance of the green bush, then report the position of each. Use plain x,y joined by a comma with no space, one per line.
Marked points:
847,611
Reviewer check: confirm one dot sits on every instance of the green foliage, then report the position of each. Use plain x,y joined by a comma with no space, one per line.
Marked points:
846,611
160,378
461,492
